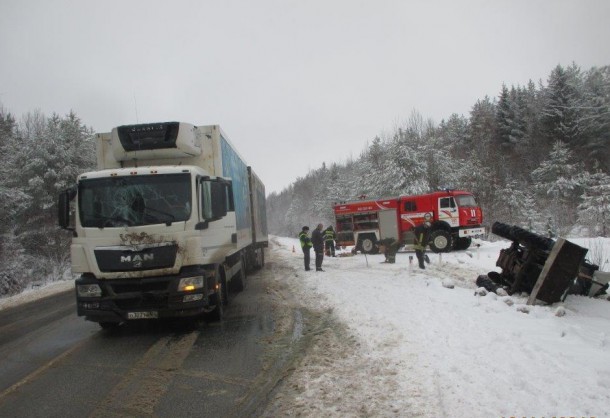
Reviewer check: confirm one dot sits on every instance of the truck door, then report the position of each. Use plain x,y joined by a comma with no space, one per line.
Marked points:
448,211
388,224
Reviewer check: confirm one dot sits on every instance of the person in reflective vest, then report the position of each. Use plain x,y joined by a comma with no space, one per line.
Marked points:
420,242
305,245
329,241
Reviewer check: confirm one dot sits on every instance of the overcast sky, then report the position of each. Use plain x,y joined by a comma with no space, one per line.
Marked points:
292,83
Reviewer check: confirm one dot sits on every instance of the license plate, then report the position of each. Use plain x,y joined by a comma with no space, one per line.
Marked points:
143,315
472,232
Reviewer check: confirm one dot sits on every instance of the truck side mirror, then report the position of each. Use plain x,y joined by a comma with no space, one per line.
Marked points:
214,202
219,200
63,208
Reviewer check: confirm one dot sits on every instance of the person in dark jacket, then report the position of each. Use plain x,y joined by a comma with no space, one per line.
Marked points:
420,242
317,239
329,241
305,245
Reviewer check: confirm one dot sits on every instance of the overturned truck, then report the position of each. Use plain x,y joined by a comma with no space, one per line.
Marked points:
544,268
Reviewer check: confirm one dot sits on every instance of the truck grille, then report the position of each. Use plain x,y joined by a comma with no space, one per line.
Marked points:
139,293
117,259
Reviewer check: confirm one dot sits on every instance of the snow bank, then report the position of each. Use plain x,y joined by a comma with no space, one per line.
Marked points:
422,349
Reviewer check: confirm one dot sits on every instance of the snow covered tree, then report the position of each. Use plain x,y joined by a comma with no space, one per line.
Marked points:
594,211
47,158
595,118
561,113
559,186
504,121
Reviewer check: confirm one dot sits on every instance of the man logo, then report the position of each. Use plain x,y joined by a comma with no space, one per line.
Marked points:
137,259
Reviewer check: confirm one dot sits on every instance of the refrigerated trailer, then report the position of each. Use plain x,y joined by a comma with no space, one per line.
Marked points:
168,225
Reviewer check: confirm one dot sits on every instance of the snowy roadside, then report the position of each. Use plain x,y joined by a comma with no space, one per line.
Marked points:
398,343
36,292
415,348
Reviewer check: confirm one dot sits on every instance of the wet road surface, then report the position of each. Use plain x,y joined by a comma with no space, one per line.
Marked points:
55,364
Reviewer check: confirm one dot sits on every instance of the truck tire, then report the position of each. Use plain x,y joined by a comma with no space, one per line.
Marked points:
239,281
225,291
462,243
523,236
217,313
440,241
367,245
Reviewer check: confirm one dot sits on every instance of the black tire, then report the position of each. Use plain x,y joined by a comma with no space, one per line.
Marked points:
440,241
239,281
462,243
219,298
368,245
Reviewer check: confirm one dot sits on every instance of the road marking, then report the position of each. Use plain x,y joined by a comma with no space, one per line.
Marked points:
146,382
32,376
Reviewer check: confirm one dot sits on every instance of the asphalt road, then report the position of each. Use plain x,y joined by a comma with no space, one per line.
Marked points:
55,364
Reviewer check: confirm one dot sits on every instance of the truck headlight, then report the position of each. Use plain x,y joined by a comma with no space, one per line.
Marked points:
188,284
89,290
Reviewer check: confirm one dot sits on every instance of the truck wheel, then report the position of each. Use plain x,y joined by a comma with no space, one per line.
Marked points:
225,292
367,245
462,243
217,313
440,241
239,281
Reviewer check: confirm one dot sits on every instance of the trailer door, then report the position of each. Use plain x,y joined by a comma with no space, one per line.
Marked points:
388,224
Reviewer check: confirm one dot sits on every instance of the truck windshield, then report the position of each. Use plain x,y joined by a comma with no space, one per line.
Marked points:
466,201
134,200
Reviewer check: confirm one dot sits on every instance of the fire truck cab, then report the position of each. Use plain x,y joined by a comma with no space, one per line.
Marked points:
456,219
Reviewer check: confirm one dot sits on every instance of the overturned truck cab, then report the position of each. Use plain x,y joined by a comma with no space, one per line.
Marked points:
544,268
167,227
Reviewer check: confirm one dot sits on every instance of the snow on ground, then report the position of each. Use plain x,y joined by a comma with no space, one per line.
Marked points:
412,347
36,292
416,348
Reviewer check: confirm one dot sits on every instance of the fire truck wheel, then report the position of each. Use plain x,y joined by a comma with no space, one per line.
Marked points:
440,241
367,244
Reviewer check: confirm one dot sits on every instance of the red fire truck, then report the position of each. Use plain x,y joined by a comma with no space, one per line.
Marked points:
455,216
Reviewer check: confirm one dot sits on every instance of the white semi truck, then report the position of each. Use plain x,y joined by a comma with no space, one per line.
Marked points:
169,224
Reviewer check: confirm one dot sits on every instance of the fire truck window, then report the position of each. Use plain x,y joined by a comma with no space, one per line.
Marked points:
466,201
410,207
445,202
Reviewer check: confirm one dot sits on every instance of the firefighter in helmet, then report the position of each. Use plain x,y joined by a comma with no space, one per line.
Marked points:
329,241
420,242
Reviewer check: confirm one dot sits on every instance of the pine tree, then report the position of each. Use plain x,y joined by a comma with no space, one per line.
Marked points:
559,186
594,211
561,112
595,118
51,153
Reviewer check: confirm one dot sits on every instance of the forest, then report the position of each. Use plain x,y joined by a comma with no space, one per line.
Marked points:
537,156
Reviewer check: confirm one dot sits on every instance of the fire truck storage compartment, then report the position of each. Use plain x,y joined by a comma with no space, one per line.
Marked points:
388,224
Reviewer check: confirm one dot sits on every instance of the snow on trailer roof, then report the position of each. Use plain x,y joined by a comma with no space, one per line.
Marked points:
144,170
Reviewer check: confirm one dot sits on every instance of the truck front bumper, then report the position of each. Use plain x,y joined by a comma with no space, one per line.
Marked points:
144,298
